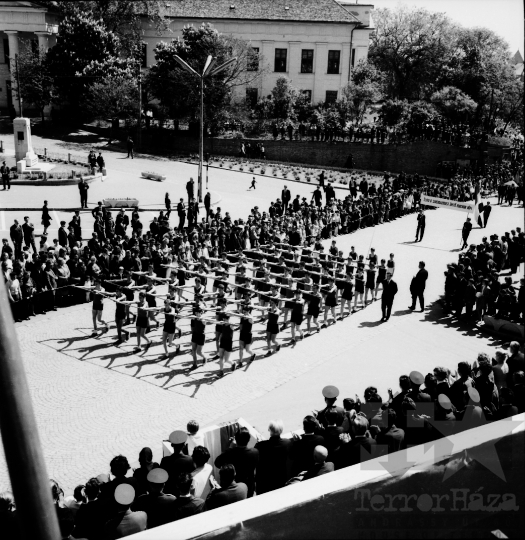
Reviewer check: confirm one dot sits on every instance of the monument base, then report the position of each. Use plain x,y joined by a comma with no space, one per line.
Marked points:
31,159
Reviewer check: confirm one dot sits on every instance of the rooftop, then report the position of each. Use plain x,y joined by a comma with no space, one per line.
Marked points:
275,10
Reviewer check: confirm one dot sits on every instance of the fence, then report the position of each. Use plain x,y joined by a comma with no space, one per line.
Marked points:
44,154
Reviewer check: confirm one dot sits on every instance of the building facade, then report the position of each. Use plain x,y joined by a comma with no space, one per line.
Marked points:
315,43
22,24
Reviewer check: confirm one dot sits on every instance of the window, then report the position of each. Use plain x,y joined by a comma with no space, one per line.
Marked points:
331,96
6,51
333,61
280,60
144,55
253,59
308,95
353,57
307,61
252,95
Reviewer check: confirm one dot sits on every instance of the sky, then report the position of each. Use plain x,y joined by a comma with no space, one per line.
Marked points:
505,17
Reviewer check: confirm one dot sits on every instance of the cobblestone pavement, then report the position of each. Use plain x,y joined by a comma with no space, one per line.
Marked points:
94,400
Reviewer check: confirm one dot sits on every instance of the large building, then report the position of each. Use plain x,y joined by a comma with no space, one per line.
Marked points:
22,24
315,43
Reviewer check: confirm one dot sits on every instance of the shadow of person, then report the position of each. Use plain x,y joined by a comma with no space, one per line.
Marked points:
366,324
402,312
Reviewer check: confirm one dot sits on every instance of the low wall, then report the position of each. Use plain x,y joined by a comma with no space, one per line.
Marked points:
420,156
56,182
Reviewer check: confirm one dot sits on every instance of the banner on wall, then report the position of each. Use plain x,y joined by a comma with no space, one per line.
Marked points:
447,203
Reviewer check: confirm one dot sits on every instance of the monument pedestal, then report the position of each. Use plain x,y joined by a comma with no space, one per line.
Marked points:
24,155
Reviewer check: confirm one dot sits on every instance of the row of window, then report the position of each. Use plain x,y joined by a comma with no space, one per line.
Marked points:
307,61
252,96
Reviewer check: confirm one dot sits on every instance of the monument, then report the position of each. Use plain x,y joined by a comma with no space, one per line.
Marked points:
25,157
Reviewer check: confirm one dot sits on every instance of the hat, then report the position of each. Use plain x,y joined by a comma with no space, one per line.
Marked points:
445,402
103,478
178,437
416,377
330,392
157,476
124,494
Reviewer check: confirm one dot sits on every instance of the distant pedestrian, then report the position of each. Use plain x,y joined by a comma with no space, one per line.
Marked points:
252,184
100,162
167,202
467,227
487,209
46,218
83,189
190,189
417,287
130,147
387,298
6,180
207,204
421,223
181,211
29,234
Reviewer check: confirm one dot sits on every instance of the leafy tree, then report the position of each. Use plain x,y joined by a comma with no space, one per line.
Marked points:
84,53
36,83
454,104
123,18
284,98
421,112
179,90
393,111
113,97
410,46
358,94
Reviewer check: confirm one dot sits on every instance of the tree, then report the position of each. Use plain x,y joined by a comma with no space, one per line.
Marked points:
358,94
179,91
410,46
36,82
454,104
393,111
121,17
284,97
84,53
113,97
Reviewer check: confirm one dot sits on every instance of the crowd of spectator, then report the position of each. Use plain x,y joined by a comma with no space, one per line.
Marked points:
477,282
424,409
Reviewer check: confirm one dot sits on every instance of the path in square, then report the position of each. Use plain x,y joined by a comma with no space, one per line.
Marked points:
94,400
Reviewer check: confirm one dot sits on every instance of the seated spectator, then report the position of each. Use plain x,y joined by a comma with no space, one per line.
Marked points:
194,437
244,459
158,506
201,474
186,504
360,448
506,404
500,369
229,491
124,522
119,468
146,465
178,462
89,519
390,437
272,469
302,450
320,466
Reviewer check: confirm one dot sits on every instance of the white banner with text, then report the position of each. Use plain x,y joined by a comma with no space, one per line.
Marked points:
447,203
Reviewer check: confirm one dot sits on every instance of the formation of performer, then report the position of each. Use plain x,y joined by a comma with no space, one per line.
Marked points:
276,284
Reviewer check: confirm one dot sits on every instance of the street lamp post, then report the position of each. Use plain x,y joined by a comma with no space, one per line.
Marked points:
209,70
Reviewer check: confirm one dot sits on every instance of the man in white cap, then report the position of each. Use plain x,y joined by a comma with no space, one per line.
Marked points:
125,522
178,462
159,506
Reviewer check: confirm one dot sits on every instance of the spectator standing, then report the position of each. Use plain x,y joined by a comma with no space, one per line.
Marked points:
100,162
244,459
17,237
417,287
178,462
46,218
83,190
272,469
190,190
421,223
6,178
125,522
302,450
465,232
387,298
130,145
186,504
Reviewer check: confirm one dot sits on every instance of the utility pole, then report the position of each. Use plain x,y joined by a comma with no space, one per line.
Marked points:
139,116
201,140
18,86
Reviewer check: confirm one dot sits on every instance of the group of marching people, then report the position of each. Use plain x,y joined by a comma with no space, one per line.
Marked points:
277,285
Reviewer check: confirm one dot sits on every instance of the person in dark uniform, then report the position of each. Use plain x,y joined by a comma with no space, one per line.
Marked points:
285,197
330,301
272,327
130,144
465,232
417,287
314,300
487,209
169,328
347,295
83,189
226,344
387,298
421,222
330,394
297,316
120,314
178,462
46,218
97,296
198,337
